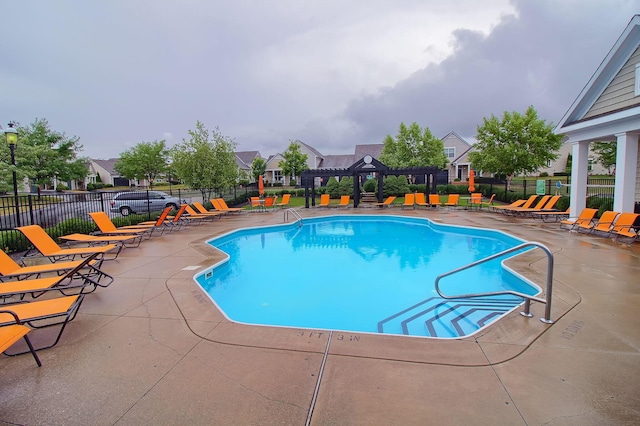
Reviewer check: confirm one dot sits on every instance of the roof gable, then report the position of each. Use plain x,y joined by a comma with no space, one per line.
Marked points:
610,67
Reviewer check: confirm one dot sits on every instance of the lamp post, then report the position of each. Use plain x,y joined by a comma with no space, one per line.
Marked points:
12,139
169,173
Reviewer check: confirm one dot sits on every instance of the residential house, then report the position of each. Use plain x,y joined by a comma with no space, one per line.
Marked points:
608,109
457,150
107,173
244,159
274,171
560,164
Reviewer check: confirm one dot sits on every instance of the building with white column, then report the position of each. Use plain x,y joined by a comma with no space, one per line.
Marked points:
608,109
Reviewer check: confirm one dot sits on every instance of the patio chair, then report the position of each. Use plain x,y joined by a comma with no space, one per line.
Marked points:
11,332
107,227
325,199
586,216
625,226
201,209
345,200
386,203
604,224
434,200
489,203
475,201
220,205
515,211
409,200
131,241
47,247
39,314
189,212
452,201
517,203
269,203
285,201
74,281
526,205
547,216
10,269
420,200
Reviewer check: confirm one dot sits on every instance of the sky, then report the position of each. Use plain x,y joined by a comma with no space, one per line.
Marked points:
330,73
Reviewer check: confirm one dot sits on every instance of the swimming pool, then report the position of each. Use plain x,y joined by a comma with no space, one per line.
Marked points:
364,274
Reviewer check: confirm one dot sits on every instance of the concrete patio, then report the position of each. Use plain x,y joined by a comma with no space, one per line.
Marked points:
152,349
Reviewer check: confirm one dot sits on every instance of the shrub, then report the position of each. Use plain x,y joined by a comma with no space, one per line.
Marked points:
332,188
403,186
370,185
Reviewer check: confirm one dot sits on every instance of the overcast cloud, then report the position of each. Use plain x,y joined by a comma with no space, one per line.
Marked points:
330,73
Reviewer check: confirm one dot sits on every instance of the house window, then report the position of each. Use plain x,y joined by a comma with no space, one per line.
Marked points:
637,81
277,176
450,152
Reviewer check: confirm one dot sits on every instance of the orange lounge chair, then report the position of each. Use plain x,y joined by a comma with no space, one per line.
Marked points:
345,200
324,200
546,203
527,205
220,205
517,203
409,200
548,215
66,284
285,201
201,209
160,225
586,216
604,224
386,203
190,212
106,226
421,201
11,332
10,269
97,240
452,200
46,313
46,246
624,227
434,200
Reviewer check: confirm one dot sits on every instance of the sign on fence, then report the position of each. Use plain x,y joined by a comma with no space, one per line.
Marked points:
540,187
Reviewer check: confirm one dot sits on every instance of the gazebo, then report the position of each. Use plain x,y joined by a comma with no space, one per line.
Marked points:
432,177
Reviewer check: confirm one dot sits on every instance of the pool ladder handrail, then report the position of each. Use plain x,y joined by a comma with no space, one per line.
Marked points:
528,298
294,213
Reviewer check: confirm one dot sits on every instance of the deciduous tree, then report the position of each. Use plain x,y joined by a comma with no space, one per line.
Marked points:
258,168
45,155
516,144
206,161
412,147
295,162
145,161
605,153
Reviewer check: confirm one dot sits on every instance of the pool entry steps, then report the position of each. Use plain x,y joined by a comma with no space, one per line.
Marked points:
447,317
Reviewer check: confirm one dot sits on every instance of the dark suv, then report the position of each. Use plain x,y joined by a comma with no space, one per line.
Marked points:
142,202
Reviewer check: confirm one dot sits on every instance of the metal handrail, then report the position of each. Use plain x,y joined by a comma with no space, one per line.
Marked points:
293,212
547,301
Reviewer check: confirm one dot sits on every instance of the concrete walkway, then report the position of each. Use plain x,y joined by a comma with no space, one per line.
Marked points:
152,349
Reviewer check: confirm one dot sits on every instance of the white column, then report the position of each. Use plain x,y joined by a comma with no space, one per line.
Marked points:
579,174
626,163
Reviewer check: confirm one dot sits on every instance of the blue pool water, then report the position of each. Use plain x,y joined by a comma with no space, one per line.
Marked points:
363,274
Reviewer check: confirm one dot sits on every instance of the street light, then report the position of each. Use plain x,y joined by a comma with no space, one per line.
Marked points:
12,139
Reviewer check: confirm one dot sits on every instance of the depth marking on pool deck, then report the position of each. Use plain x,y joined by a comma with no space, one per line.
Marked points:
320,334
572,329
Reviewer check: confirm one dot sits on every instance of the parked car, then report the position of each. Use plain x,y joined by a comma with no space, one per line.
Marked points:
142,201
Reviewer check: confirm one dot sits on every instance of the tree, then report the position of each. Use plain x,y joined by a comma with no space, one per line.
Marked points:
145,161
206,161
413,146
258,168
46,156
605,153
516,144
295,162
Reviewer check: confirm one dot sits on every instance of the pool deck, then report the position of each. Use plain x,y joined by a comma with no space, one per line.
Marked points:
152,349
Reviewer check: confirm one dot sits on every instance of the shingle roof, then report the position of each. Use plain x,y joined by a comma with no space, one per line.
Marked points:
247,157
373,150
108,165
337,161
